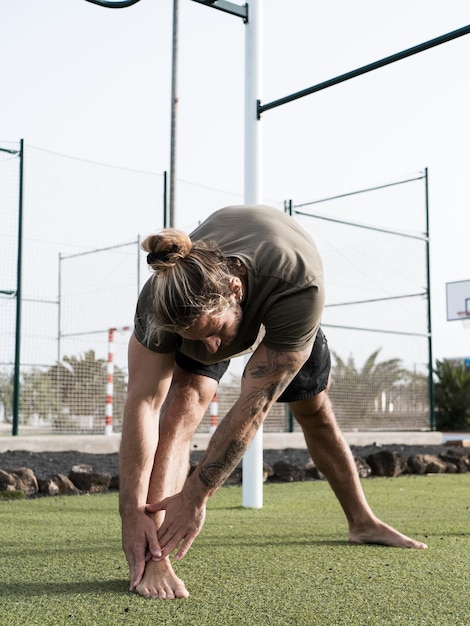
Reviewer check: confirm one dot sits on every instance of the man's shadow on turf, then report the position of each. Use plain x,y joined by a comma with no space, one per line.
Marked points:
12,590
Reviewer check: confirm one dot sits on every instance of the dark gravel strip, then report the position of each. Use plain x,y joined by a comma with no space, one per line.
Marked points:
47,464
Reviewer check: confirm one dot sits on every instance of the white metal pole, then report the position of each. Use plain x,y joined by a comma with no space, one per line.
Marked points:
253,69
253,459
174,116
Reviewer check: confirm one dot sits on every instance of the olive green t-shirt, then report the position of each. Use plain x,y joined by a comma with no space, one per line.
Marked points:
285,284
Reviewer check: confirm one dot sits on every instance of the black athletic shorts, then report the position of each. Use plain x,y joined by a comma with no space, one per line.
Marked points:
310,380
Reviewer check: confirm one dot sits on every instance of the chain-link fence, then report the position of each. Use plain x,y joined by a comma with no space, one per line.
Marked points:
82,271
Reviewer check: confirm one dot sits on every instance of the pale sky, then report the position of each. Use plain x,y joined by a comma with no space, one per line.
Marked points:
94,83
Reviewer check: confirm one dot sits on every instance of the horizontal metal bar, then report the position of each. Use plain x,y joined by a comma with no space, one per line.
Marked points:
356,193
366,68
371,300
376,330
105,331
227,7
85,332
9,151
41,301
121,245
365,226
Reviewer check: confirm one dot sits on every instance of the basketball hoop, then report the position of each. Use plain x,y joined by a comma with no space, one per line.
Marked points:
464,316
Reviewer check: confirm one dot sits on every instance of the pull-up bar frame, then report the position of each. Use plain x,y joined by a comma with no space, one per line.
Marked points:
227,7
465,30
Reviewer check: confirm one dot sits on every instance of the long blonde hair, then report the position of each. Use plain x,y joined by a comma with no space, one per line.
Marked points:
190,279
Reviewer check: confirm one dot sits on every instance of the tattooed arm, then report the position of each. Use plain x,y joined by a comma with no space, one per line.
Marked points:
266,376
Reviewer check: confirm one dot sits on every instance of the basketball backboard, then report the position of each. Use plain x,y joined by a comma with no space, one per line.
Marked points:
458,300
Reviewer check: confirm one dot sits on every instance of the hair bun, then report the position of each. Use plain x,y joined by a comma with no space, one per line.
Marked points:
166,248
164,255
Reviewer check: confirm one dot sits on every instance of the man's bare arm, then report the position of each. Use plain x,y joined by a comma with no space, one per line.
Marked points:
149,379
266,376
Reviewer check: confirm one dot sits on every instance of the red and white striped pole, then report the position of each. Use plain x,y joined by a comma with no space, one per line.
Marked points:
108,428
214,413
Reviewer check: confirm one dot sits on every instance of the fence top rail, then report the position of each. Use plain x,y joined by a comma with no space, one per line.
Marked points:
359,191
120,245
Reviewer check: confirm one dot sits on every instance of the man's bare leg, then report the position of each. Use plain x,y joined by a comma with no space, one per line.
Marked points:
184,408
333,457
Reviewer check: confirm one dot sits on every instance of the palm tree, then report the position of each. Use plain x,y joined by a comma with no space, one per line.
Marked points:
6,396
37,396
360,396
452,395
80,383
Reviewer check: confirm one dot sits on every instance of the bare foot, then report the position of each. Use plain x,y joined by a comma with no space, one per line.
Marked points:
160,581
379,533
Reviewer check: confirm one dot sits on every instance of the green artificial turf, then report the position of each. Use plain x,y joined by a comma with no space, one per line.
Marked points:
288,563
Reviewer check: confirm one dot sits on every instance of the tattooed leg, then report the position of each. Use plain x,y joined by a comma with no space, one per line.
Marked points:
332,456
